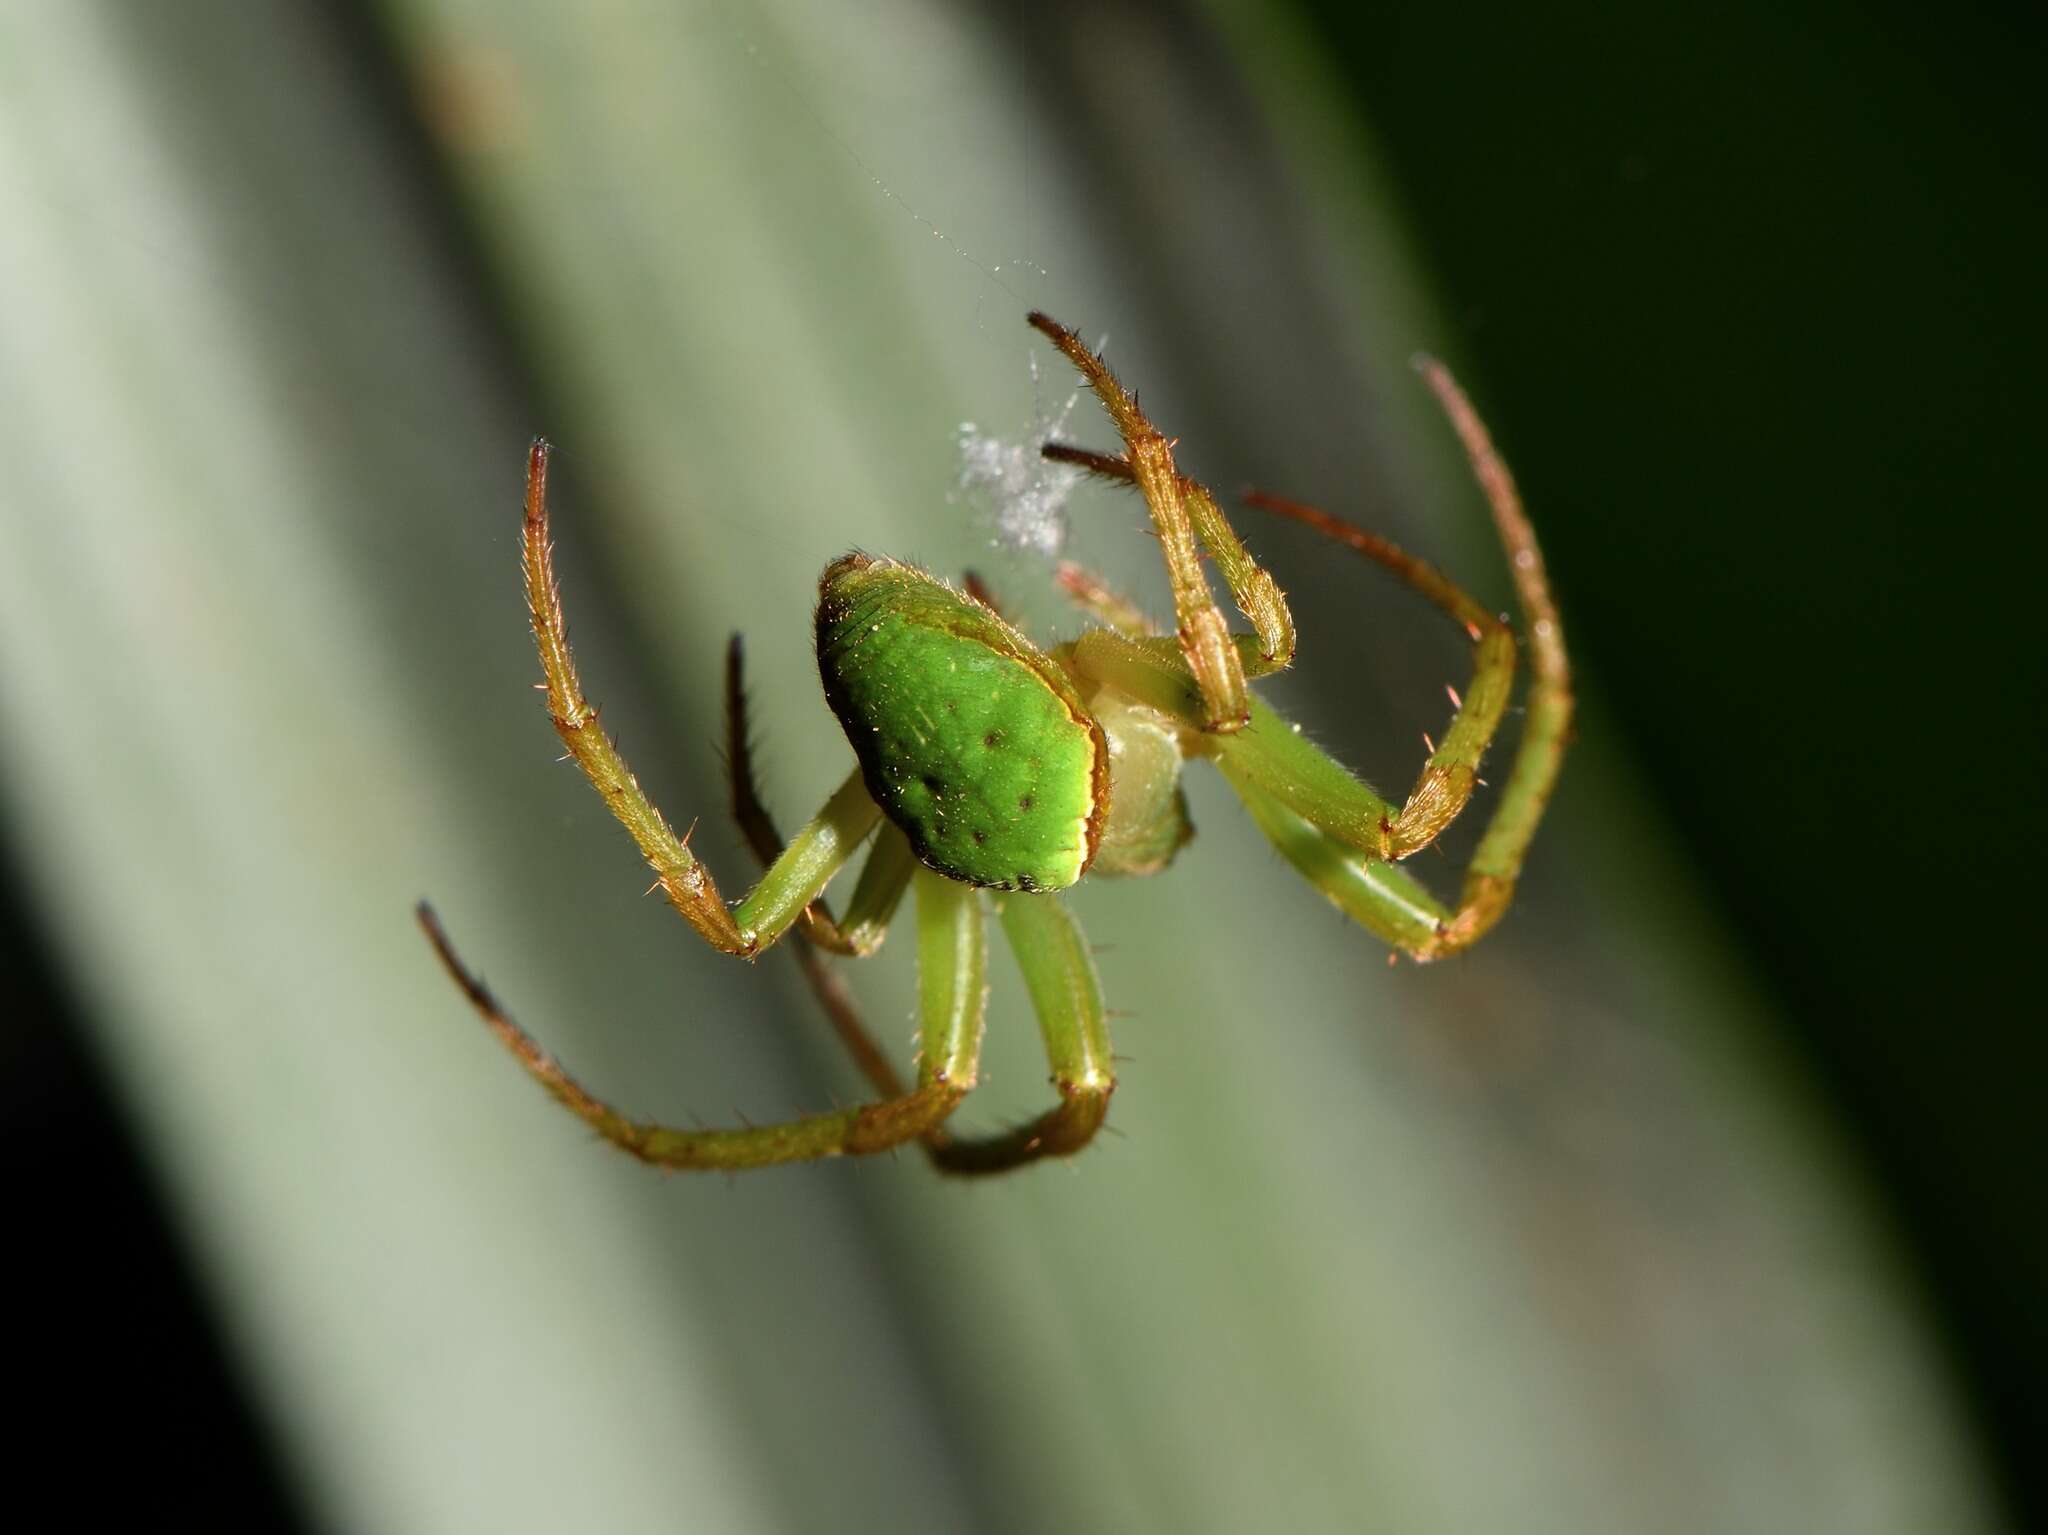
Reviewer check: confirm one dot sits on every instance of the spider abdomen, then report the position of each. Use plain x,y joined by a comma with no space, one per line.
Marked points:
971,740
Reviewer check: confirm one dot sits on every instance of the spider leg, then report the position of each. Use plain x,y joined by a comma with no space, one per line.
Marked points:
1447,780
883,880
1061,977
1452,771
1256,656
1182,512
1100,600
1381,898
1269,754
797,875
836,998
1070,1013
884,877
1490,879
975,587
952,965
950,921
1330,826
1059,972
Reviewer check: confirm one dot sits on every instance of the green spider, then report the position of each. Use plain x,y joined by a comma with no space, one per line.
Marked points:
990,765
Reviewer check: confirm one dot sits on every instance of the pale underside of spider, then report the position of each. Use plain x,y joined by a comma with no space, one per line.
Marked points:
990,772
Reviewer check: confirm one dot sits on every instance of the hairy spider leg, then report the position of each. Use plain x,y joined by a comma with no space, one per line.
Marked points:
1335,830
952,988
1378,895
1059,973
1269,750
1096,597
1381,898
1497,865
972,583
1448,778
843,1013
1329,825
1270,650
1183,511
798,874
883,878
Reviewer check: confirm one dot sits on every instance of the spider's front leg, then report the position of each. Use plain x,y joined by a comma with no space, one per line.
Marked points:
1376,894
1335,830
794,879
1183,512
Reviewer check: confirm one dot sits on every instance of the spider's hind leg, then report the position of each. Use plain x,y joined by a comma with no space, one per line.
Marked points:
950,1056
1059,972
1060,975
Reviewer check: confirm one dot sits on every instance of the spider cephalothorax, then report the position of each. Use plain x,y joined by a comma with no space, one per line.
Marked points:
987,764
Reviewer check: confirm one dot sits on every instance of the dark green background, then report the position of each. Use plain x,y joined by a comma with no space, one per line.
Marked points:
1759,289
